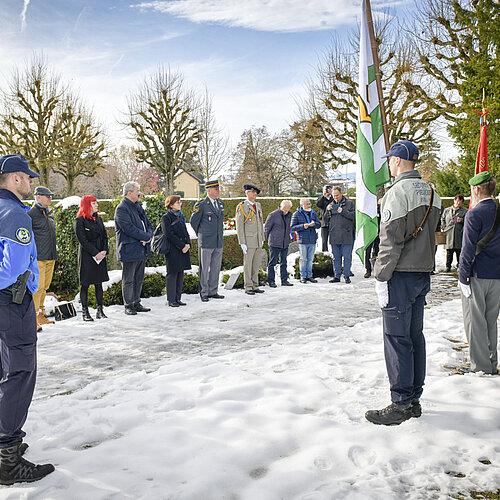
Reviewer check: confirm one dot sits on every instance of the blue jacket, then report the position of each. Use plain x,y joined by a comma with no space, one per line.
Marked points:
132,226
277,229
305,236
17,244
478,223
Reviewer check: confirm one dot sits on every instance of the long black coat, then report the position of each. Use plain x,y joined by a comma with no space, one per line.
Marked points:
175,230
93,239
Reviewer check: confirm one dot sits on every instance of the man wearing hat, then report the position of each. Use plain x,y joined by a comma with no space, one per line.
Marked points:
410,214
44,230
18,283
250,230
207,221
479,274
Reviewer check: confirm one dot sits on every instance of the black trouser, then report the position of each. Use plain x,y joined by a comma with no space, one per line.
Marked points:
132,278
174,286
374,245
84,294
449,256
324,238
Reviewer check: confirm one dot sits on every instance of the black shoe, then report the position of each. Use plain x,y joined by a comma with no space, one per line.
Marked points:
258,290
312,280
100,313
216,296
335,280
140,308
173,304
39,328
179,302
86,315
130,310
273,285
22,448
347,279
304,280
15,469
447,270
352,274
204,299
391,415
249,292
286,283
415,408
367,275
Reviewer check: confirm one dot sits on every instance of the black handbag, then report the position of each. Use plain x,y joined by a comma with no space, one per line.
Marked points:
160,243
65,310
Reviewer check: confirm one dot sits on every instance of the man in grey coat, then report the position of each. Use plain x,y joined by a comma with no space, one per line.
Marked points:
208,223
452,222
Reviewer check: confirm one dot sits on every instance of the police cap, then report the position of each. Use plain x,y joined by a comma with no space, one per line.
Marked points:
212,184
15,163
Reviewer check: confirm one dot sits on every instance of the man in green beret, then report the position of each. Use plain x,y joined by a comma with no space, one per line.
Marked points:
479,274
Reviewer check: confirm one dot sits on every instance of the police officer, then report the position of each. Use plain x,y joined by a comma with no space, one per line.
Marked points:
207,221
250,231
410,214
18,282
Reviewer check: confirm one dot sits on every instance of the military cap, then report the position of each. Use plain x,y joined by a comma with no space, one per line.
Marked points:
247,187
43,191
212,184
480,178
15,163
405,150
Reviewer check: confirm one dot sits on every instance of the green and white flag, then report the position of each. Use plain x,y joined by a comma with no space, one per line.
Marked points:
371,169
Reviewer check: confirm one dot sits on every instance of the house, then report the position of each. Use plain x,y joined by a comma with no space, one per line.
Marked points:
189,183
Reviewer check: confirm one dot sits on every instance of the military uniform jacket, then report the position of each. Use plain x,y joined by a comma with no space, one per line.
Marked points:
250,224
403,208
207,222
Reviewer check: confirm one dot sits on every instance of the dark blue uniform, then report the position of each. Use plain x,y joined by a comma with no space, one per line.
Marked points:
17,321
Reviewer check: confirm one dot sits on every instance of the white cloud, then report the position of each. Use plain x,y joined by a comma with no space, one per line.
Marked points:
265,15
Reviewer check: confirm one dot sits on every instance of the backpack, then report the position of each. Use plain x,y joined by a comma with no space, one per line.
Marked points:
160,243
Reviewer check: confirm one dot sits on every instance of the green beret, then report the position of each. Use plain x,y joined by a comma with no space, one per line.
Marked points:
480,178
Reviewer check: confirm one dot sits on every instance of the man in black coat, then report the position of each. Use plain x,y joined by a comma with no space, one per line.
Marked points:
322,202
133,237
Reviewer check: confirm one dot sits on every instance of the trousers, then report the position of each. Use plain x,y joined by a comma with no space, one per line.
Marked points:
174,282
132,279
210,260
251,265
46,268
276,253
342,252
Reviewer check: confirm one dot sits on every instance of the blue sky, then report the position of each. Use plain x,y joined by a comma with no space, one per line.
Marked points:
254,56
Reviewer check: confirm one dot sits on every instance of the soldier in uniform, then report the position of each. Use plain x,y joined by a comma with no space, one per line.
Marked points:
207,221
250,230
18,282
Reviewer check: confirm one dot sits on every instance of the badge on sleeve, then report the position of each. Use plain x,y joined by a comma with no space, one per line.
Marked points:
196,208
23,235
386,215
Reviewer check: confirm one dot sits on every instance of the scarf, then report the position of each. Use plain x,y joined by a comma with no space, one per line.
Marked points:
307,215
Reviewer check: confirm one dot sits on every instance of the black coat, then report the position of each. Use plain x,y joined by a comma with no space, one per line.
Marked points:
44,230
93,239
175,229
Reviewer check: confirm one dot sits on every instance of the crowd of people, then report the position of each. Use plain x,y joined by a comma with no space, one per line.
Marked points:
404,258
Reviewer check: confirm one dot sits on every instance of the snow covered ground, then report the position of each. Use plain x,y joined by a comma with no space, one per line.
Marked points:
256,398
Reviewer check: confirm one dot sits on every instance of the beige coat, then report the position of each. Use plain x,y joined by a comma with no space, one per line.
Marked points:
249,225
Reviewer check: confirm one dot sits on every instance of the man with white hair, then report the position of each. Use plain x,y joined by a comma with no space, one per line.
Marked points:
133,237
277,231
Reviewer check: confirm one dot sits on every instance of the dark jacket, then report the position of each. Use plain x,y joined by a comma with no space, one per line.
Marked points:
305,236
132,226
44,230
277,229
478,223
208,223
93,239
322,202
340,225
454,230
174,227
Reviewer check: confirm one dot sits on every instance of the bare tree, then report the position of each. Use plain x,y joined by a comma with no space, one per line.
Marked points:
162,115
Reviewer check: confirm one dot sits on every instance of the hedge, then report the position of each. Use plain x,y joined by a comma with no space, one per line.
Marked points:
322,266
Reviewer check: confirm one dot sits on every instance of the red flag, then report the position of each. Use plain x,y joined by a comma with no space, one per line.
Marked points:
482,151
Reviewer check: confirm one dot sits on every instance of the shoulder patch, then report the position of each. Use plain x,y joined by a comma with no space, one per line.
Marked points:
197,208
23,235
386,215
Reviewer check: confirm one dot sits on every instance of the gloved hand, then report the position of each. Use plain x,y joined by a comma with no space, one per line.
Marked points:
244,248
382,290
465,289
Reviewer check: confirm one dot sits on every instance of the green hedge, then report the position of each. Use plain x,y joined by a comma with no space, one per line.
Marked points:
240,281
322,266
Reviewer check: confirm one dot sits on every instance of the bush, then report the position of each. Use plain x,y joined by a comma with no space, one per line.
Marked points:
240,281
322,266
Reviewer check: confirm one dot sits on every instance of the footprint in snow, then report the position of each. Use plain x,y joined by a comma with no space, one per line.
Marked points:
361,457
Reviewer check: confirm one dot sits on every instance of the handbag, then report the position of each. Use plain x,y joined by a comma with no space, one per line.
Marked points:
65,310
160,243
440,237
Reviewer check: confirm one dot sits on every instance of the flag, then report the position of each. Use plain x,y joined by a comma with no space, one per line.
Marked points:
371,170
482,151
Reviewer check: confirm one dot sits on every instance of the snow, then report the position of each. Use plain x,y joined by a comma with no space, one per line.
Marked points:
70,201
256,398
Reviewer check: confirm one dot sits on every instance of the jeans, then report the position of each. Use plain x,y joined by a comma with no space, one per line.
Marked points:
342,251
274,254
306,255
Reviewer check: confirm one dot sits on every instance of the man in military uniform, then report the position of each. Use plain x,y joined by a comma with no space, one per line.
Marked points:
410,214
479,275
207,221
18,283
250,230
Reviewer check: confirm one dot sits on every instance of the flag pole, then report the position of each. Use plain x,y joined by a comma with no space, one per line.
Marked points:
378,75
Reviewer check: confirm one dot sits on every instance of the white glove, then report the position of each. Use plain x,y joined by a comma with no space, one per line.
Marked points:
465,289
244,248
382,290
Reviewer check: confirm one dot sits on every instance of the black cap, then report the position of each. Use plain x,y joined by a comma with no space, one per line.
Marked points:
247,187
43,191
15,163
212,184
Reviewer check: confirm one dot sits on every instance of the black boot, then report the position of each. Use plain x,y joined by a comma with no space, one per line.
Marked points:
390,415
86,315
100,313
15,469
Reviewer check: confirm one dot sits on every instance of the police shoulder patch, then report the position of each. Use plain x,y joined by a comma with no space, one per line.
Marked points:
196,208
386,215
23,235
